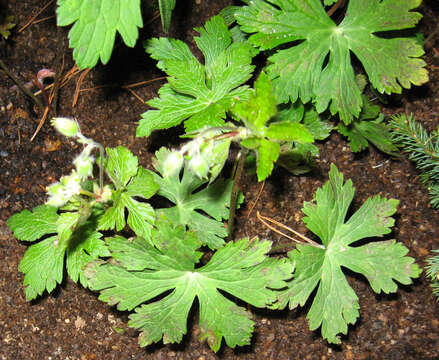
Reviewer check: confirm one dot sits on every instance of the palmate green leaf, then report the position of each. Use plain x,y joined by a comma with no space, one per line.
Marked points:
299,113
335,304
130,181
96,23
198,94
121,165
240,269
300,71
192,202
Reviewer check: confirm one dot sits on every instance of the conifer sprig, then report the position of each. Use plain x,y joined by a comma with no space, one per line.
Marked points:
421,147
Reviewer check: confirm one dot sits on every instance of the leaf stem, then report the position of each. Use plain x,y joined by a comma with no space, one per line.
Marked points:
237,174
88,193
101,165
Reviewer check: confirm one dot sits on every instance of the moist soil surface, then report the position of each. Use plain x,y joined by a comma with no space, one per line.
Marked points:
71,323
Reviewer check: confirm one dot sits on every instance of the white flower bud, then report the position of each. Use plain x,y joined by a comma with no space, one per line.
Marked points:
56,195
84,166
199,166
172,164
67,127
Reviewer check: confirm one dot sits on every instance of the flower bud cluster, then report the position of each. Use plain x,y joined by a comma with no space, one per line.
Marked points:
68,186
61,192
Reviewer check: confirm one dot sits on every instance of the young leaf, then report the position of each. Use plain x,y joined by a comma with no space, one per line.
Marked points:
318,128
189,200
96,22
259,108
6,25
264,137
130,181
266,155
300,71
240,269
335,304
198,94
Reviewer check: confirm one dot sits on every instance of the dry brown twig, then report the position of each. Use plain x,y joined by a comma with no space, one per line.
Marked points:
78,86
257,199
31,21
136,95
266,220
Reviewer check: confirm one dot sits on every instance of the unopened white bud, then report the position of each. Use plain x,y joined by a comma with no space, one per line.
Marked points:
199,166
172,164
67,127
84,166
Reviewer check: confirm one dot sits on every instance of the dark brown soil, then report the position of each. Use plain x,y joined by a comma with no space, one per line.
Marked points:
73,324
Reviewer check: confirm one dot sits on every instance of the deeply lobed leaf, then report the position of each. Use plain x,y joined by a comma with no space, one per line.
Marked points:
73,240
335,304
192,202
240,268
198,94
301,72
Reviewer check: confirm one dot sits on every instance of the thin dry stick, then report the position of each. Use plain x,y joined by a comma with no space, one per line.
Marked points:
128,86
43,19
154,18
35,16
136,95
46,112
59,69
94,88
264,220
42,121
78,86
338,4
257,199
146,82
